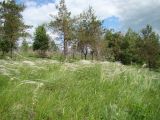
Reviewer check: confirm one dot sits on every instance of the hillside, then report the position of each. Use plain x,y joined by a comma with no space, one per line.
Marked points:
51,90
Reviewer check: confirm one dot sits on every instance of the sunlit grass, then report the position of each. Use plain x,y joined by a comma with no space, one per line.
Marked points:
84,90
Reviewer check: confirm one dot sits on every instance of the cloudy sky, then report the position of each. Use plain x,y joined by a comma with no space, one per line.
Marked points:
117,14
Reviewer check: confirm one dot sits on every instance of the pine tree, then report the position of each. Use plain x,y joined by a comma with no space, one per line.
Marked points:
41,41
150,47
24,46
113,45
63,24
53,46
12,24
129,48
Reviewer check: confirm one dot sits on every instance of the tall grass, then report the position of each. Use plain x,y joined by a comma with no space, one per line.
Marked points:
49,90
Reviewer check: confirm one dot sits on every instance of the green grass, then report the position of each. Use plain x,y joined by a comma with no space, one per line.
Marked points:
51,90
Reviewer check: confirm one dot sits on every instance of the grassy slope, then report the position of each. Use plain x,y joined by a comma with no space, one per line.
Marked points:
45,89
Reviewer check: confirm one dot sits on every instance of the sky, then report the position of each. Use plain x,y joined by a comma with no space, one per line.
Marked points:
117,14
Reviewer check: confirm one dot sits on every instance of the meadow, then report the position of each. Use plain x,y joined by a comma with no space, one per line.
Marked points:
43,89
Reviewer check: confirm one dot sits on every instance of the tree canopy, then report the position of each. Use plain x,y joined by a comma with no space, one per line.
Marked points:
41,40
82,34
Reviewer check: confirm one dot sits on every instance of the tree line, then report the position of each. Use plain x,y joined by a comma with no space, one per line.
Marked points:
83,34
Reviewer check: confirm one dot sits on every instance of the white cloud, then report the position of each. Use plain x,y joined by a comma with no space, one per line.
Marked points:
131,13
136,14
35,15
103,8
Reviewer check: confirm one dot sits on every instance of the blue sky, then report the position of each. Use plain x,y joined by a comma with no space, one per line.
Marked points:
117,14
112,23
37,1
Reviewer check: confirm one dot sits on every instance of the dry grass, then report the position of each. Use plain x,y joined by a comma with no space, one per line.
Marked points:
48,89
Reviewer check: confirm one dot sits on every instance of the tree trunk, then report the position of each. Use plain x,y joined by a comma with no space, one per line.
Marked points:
92,54
11,47
85,51
11,51
73,55
149,65
85,56
65,47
